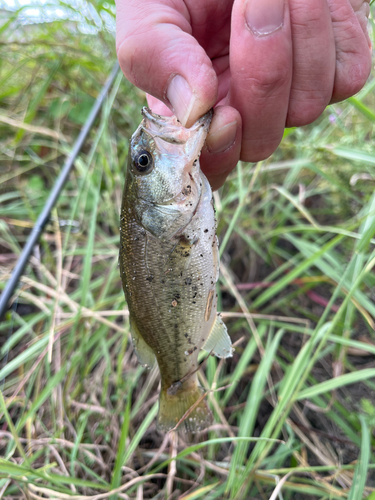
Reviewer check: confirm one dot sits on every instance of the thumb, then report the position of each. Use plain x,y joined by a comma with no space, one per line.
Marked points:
158,54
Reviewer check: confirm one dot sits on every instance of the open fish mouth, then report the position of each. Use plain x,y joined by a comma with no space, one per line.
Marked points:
169,129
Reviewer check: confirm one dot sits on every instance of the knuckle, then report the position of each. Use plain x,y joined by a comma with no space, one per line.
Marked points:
303,18
270,83
306,106
354,68
303,114
354,79
130,50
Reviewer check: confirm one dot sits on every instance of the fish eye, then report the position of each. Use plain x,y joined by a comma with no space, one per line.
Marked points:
143,162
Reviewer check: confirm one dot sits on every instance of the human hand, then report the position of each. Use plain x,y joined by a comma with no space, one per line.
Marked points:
263,65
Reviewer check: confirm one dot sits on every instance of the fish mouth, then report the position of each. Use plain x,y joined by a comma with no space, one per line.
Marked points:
170,130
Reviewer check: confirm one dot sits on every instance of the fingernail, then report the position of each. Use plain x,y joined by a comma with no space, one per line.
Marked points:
181,97
221,139
264,16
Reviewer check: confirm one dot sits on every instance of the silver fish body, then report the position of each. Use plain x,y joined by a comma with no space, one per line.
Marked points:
169,263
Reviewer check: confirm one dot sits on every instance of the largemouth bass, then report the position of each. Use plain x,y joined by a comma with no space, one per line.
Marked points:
169,263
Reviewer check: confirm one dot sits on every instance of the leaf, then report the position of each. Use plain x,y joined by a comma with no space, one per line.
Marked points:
362,108
119,461
297,271
335,383
360,473
354,154
250,413
35,102
25,356
41,398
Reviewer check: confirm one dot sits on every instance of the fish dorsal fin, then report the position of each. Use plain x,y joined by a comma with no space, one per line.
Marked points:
144,353
219,341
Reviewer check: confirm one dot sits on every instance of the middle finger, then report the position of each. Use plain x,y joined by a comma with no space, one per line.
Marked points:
261,73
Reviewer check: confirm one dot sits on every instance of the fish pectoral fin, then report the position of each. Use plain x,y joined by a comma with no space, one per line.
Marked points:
162,221
219,342
143,351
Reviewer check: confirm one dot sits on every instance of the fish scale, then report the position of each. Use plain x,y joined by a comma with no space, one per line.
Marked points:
169,263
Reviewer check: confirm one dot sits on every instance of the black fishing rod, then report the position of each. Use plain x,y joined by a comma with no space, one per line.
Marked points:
55,193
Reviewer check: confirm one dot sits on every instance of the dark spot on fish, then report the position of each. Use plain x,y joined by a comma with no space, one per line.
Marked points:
194,302
206,230
188,281
176,325
183,241
201,254
173,389
194,288
186,191
186,254
186,335
162,281
150,278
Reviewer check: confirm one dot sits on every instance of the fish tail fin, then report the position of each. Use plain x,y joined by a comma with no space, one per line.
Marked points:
177,400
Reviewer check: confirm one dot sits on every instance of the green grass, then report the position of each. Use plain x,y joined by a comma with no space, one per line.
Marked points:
295,413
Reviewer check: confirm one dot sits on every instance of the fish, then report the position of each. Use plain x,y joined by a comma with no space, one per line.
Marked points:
169,264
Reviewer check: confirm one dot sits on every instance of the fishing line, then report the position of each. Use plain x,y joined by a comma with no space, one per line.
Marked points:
53,197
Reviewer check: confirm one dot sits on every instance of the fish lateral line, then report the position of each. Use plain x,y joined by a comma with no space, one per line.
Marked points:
176,386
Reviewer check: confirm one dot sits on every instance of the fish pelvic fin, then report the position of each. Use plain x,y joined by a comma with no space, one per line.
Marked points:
143,351
183,399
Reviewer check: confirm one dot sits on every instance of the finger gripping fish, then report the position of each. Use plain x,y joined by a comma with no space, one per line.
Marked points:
169,263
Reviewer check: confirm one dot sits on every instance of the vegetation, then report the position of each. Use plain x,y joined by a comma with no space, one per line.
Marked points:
294,408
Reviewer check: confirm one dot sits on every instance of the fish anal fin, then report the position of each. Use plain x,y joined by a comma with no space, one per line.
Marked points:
219,342
143,351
